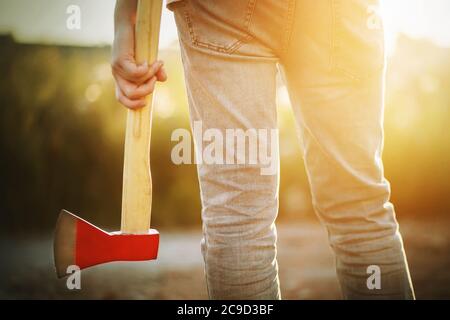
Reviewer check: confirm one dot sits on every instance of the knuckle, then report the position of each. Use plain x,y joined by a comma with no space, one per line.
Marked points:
134,73
115,64
154,70
117,94
134,95
126,90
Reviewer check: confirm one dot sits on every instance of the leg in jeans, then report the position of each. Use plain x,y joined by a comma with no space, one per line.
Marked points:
333,64
232,88
334,67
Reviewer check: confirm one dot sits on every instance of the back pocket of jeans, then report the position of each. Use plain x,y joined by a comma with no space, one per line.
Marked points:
357,38
220,25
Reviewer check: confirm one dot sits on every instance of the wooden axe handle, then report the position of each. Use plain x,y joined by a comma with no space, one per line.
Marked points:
137,182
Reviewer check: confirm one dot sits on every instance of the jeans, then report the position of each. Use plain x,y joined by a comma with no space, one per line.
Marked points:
331,56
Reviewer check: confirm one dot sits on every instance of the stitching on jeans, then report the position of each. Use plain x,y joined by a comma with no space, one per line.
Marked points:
288,27
187,18
249,14
333,44
248,18
224,49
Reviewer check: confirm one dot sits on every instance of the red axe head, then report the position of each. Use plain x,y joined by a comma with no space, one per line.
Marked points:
77,242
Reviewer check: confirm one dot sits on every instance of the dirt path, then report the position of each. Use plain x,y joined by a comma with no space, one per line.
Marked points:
305,260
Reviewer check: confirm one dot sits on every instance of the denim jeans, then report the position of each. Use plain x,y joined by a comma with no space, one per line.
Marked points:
331,56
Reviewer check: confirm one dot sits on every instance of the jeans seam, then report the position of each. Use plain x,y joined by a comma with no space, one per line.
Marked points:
288,26
333,44
204,254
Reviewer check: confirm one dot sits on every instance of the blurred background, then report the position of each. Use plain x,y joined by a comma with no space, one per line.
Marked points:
61,146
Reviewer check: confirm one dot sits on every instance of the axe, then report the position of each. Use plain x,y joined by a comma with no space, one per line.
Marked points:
78,242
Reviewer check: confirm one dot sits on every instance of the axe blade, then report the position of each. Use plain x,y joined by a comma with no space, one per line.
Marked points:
78,242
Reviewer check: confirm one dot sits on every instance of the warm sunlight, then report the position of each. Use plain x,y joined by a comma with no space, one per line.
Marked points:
417,18
66,140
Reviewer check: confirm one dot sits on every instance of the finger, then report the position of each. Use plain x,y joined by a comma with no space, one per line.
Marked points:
131,71
125,86
143,90
128,103
161,75
151,72
134,92
155,67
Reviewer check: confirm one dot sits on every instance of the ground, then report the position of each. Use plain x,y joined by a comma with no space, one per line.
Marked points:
305,260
